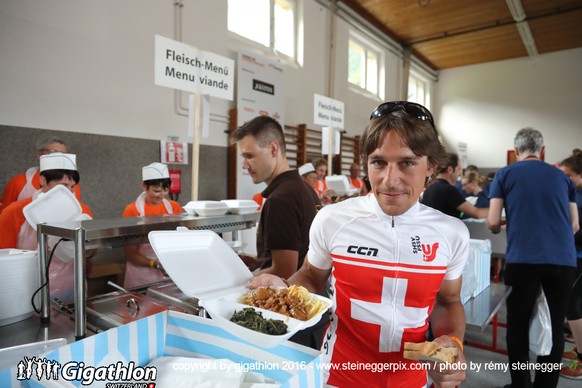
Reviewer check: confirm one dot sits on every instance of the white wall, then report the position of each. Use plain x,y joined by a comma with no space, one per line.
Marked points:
88,66
485,105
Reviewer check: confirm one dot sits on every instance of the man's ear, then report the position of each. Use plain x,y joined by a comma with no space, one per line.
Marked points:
144,187
274,147
42,181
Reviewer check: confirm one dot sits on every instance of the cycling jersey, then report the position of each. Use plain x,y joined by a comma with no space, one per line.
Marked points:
386,273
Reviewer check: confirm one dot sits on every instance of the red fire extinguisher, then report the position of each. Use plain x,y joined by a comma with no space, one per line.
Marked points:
175,186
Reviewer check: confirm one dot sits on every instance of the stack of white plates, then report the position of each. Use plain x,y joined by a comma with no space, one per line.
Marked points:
241,206
19,276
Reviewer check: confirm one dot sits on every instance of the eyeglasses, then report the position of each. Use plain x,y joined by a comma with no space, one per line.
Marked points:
415,110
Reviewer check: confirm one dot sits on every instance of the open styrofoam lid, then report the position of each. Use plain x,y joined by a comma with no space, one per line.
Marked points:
340,184
200,262
56,205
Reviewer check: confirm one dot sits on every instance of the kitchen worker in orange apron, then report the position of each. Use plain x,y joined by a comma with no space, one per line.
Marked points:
22,186
355,179
15,231
142,265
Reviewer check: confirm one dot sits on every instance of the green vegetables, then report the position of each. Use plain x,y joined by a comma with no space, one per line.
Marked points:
252,319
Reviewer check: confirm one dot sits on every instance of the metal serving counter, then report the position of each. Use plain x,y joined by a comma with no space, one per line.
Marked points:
119,232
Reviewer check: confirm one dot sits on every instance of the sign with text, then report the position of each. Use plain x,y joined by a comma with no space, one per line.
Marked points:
183,67
260,92
328,112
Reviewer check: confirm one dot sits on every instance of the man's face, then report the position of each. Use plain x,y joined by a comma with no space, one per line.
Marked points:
397,175
355,170
52,148
67,181
259,162
321,171
154,195
311,178
576,178
456,172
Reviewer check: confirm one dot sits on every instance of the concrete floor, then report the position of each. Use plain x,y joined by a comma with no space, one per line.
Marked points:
496,379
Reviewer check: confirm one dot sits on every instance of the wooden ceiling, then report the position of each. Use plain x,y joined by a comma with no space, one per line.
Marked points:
450,33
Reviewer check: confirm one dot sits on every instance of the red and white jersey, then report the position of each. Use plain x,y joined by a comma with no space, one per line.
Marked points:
386,273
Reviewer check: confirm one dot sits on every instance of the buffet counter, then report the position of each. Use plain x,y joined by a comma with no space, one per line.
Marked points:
119,232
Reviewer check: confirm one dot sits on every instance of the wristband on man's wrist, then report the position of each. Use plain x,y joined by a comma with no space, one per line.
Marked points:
457,341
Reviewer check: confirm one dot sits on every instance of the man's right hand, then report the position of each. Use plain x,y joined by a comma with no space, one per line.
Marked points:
264,280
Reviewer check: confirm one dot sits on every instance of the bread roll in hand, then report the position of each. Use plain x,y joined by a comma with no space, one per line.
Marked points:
429,351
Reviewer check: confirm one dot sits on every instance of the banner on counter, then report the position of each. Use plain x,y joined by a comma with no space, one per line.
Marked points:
260,91
183,67
328,112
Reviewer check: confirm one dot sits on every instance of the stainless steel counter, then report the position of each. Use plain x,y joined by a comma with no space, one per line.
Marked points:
119,232
30,330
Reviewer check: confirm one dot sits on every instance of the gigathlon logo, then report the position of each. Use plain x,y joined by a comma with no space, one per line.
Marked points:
115,375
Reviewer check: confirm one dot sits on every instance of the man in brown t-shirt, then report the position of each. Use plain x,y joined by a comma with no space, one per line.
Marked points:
289,203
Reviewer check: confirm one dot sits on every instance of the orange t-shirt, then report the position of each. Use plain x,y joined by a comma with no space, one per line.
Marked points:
152,210
17,183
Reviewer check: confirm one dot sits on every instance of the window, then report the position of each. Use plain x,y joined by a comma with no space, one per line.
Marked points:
364,66
271,23
418,90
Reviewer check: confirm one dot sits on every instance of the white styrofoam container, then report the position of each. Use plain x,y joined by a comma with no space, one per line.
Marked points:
477,271
341,185
171,333
206,208
56,205
19,279
241,206
205,267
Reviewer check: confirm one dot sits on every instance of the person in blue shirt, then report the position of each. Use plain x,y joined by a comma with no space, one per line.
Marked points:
541,220
572,166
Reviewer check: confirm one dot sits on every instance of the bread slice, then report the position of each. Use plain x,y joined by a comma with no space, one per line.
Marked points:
429,351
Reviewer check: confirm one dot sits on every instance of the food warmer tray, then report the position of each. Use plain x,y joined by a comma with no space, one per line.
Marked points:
170,293
116,309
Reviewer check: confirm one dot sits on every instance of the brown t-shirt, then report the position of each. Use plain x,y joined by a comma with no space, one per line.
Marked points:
288,209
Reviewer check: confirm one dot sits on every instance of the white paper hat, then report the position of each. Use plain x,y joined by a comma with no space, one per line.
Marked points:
154,171
306,168
58,161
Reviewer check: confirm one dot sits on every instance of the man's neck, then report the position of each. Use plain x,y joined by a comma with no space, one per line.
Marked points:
282,166
445,177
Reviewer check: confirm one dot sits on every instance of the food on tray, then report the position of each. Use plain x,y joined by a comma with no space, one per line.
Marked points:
293,301
429,351
254,320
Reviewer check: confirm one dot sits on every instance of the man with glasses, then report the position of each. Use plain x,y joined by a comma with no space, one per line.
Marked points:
24,185
391,261
15,231
143,267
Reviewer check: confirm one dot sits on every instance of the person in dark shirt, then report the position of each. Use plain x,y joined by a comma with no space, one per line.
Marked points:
289,204
288,208
444,196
